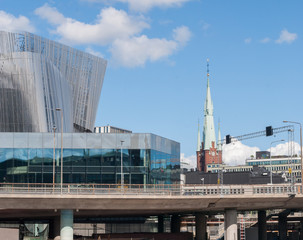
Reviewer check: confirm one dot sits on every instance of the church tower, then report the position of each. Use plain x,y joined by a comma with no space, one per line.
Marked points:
210,152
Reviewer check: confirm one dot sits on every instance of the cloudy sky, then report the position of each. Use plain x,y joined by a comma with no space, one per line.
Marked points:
157,50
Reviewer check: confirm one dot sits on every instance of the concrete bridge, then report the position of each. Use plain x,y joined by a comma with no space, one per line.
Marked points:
47,201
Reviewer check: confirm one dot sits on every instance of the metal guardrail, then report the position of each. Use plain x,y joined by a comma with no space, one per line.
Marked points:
149,189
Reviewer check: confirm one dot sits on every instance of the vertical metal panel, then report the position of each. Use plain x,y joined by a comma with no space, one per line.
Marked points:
38,75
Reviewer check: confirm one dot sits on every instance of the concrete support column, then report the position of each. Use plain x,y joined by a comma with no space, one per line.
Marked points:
201,226
160,224
175,223
301,230
54,228
66,222
230,225
282,227
262,228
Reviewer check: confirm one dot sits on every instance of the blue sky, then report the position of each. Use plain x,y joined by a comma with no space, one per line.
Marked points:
157,50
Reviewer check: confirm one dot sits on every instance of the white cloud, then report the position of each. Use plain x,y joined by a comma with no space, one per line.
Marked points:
182,35
285,149
265,40
286,37
136,51
9,22
111,24
236,153
91,51
121,32
51,14
145,5
188,162
247,40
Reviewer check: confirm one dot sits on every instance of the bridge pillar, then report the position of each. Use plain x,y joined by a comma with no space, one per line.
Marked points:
230,225
66,222
175,223
301,230
282,226
54,228
160,224
262,228
201,225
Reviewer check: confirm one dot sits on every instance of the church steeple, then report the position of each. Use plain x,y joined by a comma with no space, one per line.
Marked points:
210,152
209,137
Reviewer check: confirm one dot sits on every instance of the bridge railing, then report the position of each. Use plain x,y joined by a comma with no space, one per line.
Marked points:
242,189
148,189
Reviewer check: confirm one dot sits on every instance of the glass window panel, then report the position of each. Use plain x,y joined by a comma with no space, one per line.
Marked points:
125,156
33,156
20,157
93,178
67,156
6,154
135,156
48,155
48,178
108,157
94,157
137,178
108,178
6,163
79,157
78,178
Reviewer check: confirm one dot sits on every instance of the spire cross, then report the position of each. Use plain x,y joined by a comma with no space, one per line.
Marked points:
207,67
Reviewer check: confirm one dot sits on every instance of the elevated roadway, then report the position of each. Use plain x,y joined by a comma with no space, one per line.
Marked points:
28,201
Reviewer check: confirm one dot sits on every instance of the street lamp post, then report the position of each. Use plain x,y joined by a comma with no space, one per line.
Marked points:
54,156
301,147
61,111
122,177
282,140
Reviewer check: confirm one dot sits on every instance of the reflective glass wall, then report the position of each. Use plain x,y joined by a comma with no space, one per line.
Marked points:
88,158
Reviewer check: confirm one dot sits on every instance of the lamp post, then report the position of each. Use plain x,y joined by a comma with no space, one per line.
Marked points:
301,147
282,140
61,111
122,177
54,156
202,180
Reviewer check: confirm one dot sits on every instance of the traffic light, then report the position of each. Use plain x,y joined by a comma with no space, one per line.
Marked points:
269,131
228,139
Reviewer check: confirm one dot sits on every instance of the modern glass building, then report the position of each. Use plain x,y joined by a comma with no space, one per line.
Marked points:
38,75
88,158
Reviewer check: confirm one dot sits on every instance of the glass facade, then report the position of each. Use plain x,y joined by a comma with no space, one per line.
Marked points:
88,158
38,75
